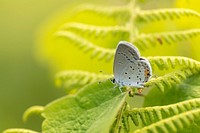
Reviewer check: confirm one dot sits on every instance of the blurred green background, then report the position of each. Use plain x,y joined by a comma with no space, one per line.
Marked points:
23,80
27,80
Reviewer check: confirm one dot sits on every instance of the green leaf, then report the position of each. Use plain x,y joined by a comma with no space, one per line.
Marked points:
19,130
93,109
31,111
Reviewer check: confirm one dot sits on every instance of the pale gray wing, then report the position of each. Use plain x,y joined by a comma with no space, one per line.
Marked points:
129,49
147,69
125,57
136,74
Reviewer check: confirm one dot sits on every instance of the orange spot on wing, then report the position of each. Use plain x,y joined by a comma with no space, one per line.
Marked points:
146,73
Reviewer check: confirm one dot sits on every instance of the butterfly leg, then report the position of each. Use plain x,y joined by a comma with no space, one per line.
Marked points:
120,88
116,85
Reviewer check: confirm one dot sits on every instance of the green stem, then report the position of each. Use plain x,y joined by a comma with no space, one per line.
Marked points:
119,117
131,23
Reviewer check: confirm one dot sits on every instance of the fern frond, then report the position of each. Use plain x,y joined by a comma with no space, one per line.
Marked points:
168,62
173,124
120,12
187,67
86,46
31,111
145,41
164,14
166,81
96,31
125,123
78,79
19,130
150,115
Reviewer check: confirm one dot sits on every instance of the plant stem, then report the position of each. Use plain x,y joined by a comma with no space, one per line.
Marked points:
119,117
131,23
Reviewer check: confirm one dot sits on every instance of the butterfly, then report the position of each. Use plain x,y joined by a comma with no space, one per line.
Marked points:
129,68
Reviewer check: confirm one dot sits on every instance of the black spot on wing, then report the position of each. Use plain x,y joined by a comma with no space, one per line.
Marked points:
120,62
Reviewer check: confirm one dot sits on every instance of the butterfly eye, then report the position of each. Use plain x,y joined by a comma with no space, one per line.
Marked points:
113,80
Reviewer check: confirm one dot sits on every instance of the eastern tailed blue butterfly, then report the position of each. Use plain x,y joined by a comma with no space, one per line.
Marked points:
129,68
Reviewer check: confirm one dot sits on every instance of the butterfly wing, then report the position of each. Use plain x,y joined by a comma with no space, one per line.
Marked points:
147,69
125,62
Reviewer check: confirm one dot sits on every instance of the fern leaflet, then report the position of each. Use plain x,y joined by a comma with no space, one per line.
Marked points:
167,62
96,31
150,115
173,124
166,81
86,46
163,14
78,79
120,12
146,41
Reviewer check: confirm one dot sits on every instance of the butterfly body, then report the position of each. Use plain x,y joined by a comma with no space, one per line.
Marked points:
129,68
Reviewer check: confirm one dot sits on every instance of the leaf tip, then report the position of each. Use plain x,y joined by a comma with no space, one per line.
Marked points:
32,110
